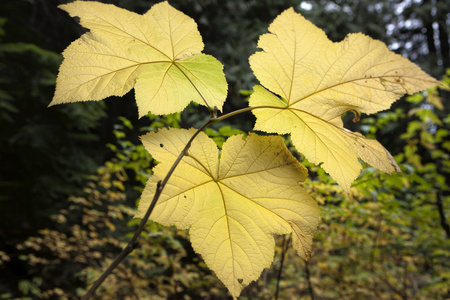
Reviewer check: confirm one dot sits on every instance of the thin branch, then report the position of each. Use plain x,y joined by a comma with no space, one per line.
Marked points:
285,246
133,243
443,218
308,279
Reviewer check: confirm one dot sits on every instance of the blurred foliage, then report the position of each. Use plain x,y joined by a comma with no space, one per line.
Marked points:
386,240
44,153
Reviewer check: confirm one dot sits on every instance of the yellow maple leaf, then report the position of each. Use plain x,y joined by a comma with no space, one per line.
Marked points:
318,81
234,207
157,53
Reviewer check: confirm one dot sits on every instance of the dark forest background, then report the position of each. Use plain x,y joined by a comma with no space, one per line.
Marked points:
70,175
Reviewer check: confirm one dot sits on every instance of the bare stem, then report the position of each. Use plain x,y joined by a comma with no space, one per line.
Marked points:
133,243
308,279
284,249
239,111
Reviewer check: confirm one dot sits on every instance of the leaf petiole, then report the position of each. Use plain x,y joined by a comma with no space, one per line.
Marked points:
243,110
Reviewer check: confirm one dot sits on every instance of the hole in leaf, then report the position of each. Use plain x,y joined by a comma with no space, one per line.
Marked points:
161,145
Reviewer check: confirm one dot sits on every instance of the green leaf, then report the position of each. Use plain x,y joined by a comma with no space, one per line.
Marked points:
158,53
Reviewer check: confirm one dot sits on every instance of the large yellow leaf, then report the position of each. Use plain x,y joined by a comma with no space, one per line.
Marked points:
157,53
318,81
233,207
